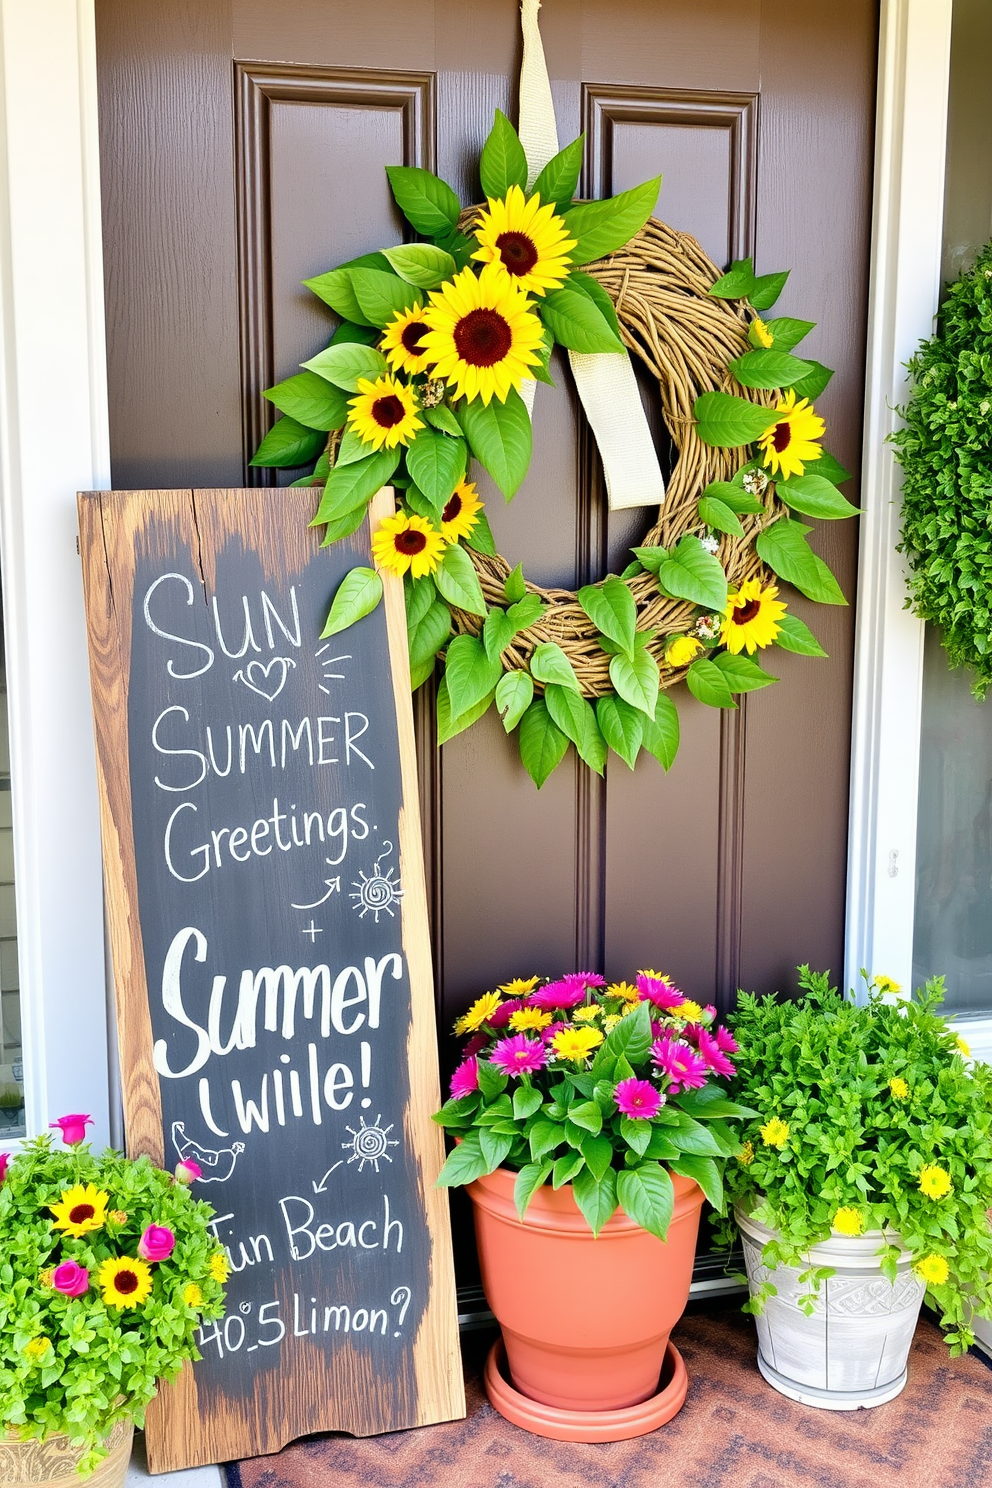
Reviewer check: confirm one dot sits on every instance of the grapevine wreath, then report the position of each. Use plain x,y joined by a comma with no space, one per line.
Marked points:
424,373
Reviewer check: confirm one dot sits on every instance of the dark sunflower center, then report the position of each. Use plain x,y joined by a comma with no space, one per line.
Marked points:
410,336
517,251
125,1282
747,612
782,436
81,1212
482,338
388,411
452,507
411,542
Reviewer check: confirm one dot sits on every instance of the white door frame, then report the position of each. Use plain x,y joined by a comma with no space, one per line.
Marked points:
54,441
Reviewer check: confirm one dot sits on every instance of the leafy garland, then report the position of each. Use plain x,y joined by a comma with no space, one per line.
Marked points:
424,374
946,455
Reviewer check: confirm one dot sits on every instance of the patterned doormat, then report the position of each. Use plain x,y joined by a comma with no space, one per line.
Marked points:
734,1431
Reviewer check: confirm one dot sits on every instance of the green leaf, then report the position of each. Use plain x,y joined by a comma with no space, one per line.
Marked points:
793,635
784,548
690,1135
550,664
591,287
442,418
636,679
636,1133
661,733
335,289
728,422
343,525
693,574
351,448
427,635
419,594
736,283
382,296
358,594
566,1168
503,163
448,725
706,1172
427,202
495,1147
559,180
766,289
497,633
514,694
707,683
813,384
515,588
464,1164
716,514
458,245
500,438
650,559
530,1178
469,673
458,582
544,1137
542,743
604,226
815,497
480,539
288,444
596,1197
587,1115
622,727
735,497
768,369
577,322
437,463
646,1195
831,469
711,1102
345,363
526,1100
422,264
611,608
576,717
598,1153
361,334
524,612
349,487
310,400
787,333
741,673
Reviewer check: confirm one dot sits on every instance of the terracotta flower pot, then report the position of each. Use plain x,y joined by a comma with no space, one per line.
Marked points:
52,1463
585,1321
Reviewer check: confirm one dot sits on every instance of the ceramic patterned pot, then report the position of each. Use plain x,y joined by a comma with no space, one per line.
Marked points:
52,1463
851,1351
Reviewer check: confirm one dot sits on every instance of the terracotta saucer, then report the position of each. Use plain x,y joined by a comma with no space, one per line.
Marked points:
586,1426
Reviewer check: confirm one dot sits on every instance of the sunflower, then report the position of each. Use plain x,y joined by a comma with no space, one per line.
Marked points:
529,242
124,1281
81,1210
401,341
483,334
759,334
384,413
460,515
407,542
751,617
789,444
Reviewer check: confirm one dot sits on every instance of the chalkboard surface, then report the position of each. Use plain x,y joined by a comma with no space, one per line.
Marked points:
272,962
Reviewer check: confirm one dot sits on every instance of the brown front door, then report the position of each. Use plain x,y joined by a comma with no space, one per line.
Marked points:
243,151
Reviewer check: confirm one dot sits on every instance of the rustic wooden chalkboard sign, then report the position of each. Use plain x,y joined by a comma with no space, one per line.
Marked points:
271,953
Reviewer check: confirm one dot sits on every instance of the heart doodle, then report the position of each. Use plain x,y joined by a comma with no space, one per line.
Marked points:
256,676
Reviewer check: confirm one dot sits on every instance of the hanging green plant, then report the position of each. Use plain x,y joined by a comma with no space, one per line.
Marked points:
945,450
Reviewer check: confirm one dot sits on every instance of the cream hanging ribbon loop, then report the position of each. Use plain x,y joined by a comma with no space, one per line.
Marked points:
605,381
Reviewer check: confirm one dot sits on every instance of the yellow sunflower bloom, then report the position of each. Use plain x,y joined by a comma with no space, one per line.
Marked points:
401,341
407,542
81,1210
933,1268
483,334
899,1088
789,444
935,1181
384,413
527,241
219,1266
624,991
849,1222
480,1011
525,1018
459,517
686,1012
586,1013
192,1295
751,617
775,1133
682,650
519,986
746,1155
37,1348
576,1043
759,334
124,1281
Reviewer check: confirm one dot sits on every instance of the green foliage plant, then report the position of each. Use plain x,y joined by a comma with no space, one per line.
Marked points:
871,1118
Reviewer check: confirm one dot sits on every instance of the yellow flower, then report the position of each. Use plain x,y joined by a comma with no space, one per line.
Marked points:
81,1210
124,1281
119,1216
775,1133
680,651
481,1010
751,617
656,976
460,514
746,1155
519,986
849,1222
576,1043
401,340
631,1007
36,1348
899,1088
192,1295
586,1013
528,242
935,1181
624,991
610,1021
384,412
760,334
886,984
525,1018
789,444
963,1048
219,1267
407,542
483,334
45,1277
687,1011
933,1268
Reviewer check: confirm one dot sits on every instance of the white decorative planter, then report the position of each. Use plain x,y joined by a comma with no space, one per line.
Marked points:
851,1351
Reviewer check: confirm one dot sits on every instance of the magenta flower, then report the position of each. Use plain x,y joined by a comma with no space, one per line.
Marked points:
727,1042
547,1034
709,1012
660,993
188,1171
583,979
556,995
690,1032
4,1160
157,1243
519,1055
502,1015
686,1069
465,1079
475,1043
638,1098
73,1128
712,1053
71,1279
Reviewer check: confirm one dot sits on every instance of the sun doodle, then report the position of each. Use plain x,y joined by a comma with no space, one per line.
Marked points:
369,1143
376,893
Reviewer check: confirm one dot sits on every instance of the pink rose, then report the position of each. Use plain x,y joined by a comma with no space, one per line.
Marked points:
4,1160
71,1279
187,1171
157,1243
73,1128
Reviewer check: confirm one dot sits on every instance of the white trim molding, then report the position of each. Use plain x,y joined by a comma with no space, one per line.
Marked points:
911,133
